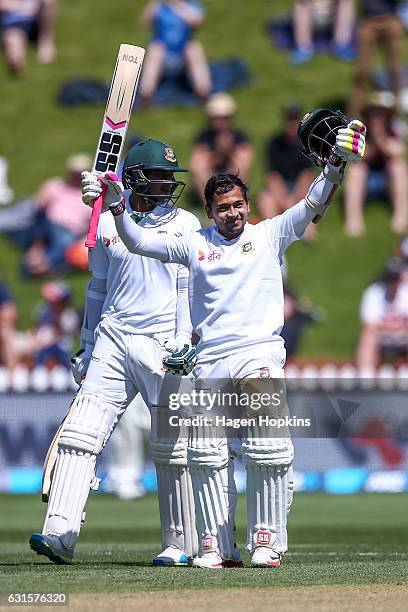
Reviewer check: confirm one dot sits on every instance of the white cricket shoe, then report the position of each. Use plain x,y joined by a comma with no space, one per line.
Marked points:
171,556
211,558
265,557
51,546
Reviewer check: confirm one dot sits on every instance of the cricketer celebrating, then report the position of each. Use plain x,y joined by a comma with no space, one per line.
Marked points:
236,305
129,328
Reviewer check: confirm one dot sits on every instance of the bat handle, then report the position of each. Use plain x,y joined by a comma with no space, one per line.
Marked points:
90,241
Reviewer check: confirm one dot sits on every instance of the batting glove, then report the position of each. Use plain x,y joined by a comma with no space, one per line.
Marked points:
351,142
80,363
181,360
92,189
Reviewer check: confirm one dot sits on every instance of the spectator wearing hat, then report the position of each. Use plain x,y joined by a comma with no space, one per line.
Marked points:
289,172
60,219
57,324
172,49
220,147
383,172
384,317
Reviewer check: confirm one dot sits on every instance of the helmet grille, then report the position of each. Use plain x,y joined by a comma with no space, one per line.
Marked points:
322,137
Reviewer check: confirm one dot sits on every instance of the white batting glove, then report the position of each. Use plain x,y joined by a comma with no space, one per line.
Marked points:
80,363
351,142
92,189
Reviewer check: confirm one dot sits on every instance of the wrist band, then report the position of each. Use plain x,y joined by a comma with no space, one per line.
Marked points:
118,209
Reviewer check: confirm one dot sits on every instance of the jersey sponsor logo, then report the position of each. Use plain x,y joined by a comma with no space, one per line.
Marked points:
169,155
215,255
201,255
264,373
108,241
162,231
247,248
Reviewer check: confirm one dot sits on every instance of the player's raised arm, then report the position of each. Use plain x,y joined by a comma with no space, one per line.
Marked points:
330,141
138,240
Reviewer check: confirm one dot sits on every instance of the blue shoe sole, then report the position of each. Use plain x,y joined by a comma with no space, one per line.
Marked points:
170,563
41,547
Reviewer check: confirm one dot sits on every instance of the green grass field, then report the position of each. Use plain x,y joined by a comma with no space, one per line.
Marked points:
38,135
334,540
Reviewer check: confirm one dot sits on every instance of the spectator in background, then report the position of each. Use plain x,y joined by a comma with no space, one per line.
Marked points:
289,172
171,48
6,193
8,318
384,317
379,25
383,171
297,316
402,252
57,324
59,220
310,16
220,147
25,21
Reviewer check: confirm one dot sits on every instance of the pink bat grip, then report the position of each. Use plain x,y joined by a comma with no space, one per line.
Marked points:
90,241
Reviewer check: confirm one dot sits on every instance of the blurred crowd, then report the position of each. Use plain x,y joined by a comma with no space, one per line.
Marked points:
49,226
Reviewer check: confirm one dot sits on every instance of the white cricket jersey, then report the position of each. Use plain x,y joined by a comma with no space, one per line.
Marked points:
376,309
141,293
235,286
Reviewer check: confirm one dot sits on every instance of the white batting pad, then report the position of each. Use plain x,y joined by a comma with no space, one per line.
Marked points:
168,448
82,439
212,512
269,497
73,476
176,505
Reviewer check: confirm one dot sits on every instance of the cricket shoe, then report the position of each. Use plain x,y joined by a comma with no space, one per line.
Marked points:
51,546
265,557
170,557
211,558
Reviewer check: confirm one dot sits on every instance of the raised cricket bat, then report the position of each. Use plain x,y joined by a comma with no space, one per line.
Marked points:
115,123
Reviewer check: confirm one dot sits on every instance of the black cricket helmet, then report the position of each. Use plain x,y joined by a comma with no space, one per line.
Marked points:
317,132
143,162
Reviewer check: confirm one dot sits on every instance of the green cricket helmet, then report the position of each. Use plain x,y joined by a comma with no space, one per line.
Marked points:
143,172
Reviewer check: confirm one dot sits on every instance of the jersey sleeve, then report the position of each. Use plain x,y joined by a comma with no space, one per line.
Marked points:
98,258
371,306
139,240
288,227
96,290
178,248
194,224
183,320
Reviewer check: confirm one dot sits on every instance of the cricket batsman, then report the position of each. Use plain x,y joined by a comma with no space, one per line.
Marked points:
136,316
236,306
